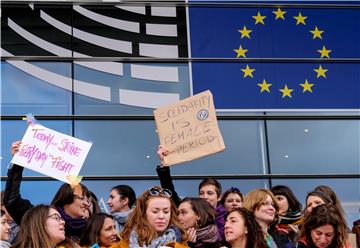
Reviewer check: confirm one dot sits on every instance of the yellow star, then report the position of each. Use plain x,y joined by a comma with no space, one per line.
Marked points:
286,91
259,18
320,72
248,71
264,86
316,33
306,86
324,52
240,52
279,14
300,19
245,32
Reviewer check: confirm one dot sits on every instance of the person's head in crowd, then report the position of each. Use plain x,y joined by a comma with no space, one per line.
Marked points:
232,199
210,190
262,203
243,231
42,227
93,205
154,219
73,200
100,229
4,227
3,208
196,212
356,230
314,199
327,190
122,198
323,228
286,200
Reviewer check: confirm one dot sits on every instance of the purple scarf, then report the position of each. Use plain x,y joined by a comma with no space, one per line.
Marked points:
73,227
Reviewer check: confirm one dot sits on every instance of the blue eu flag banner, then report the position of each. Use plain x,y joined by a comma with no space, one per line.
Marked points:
274,33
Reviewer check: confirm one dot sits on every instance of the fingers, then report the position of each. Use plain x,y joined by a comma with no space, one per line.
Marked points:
192,234
15,147
162,152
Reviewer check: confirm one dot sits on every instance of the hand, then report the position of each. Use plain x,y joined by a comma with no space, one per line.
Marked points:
162,152
15,147
192,234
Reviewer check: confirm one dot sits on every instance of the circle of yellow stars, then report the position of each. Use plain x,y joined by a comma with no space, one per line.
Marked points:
300,19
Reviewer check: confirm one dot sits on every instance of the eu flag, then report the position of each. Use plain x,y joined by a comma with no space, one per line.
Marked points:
289,38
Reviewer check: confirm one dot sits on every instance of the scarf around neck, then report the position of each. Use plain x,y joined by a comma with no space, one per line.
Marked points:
207,234
167,237
121,219
73,226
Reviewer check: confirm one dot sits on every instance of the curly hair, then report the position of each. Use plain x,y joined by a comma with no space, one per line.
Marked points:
255,236
326,214
137,220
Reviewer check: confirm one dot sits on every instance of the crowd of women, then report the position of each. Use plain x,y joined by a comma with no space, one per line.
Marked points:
159,218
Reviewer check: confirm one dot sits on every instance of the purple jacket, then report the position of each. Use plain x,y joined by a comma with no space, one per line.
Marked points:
220,220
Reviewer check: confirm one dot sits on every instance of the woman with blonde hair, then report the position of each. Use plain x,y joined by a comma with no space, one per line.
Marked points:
43,227
153,223
263,204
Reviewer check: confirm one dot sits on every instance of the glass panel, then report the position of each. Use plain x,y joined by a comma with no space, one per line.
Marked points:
14,130
128,89
134,143
314,146
41,88
36,30
348,191
130,31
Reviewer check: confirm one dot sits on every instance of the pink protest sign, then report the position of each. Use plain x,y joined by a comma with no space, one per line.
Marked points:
51,153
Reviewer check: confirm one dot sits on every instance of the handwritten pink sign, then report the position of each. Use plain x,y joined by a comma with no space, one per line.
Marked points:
51,153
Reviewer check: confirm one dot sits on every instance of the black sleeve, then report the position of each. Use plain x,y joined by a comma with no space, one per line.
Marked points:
167,182
15,205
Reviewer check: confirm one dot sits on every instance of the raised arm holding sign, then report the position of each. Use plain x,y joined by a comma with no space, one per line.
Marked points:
51,153
188,129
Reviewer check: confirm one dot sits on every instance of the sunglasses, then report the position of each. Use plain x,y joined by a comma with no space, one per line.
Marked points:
159,191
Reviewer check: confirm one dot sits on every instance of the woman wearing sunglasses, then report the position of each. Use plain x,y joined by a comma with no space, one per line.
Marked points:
153,223
71,202
43,227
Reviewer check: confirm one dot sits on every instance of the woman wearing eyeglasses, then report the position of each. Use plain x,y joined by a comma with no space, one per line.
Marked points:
43,227
262,203
71,203
153,223
100,231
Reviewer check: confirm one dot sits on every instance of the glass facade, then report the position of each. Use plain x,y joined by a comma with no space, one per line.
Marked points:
111,103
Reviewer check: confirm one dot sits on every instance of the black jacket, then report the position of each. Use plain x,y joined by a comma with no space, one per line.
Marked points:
15,205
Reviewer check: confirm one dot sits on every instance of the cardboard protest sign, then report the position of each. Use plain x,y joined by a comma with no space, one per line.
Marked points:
51,153
189,129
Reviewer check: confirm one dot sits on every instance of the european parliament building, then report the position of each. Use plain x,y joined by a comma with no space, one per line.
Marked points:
285,79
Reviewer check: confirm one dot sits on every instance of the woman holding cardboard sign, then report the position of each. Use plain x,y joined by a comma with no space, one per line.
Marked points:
71,202
209,189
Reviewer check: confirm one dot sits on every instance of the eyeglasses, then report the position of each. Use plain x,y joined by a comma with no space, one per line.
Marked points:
56,217
82,198
159,191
